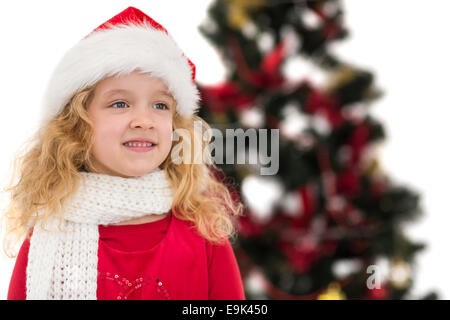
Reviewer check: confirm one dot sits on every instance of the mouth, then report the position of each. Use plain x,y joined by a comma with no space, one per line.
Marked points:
139,146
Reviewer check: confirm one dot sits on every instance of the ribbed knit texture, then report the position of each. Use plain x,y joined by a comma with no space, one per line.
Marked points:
62,264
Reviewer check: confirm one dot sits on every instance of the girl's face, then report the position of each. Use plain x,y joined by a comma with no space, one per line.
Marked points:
130,107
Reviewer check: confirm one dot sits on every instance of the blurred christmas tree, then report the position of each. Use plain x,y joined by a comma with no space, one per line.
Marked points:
328,224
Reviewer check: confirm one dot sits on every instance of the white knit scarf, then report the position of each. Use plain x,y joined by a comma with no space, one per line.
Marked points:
63,264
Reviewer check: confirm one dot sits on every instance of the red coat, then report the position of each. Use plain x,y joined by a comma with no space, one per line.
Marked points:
165,259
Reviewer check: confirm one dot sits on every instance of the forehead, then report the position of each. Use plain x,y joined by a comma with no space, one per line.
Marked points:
133,82
109,93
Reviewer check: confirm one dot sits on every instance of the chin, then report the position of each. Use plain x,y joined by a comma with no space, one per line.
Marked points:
138,173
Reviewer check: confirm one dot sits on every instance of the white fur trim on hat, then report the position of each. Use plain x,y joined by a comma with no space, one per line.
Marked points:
120,50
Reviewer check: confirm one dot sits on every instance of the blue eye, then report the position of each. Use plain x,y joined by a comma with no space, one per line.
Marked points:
118,103
163,105
121,102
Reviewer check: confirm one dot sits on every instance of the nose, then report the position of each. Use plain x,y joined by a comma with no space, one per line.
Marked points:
143,118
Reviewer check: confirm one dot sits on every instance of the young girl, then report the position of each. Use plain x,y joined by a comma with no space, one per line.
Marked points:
104,208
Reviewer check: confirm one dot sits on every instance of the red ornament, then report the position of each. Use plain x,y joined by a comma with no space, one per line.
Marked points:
377,293
319,103
331,30
224,96
358,141
301,255
247,227
348,183
268,75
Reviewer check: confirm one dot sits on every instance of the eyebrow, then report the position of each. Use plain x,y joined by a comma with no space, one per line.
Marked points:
114,91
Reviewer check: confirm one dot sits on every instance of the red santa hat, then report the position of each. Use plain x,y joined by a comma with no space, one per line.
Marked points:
128,41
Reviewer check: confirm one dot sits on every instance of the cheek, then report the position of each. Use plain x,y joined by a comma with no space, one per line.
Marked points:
106,133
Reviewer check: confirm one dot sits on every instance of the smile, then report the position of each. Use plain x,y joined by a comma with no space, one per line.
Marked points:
139,147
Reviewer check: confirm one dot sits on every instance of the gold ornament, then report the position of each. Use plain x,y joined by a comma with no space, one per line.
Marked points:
372,167
238,11
220,118
333,292
340,77
400,274
345,74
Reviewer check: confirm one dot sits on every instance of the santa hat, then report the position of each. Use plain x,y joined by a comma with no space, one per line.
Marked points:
128,41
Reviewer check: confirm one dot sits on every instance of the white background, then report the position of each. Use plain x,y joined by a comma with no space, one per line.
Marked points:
404,42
